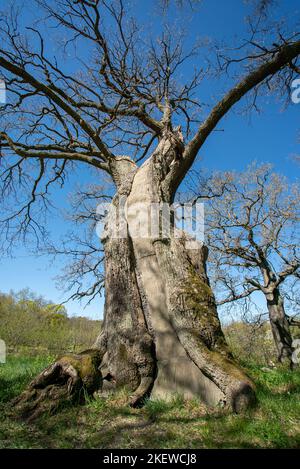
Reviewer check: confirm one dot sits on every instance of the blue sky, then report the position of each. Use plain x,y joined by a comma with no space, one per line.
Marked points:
271,136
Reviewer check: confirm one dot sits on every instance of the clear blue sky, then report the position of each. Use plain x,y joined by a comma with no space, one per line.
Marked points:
271,136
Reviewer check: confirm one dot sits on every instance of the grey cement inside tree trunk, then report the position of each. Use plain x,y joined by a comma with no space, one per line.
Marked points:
177,373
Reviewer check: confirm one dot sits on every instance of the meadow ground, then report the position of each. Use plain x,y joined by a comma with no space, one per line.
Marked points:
274,423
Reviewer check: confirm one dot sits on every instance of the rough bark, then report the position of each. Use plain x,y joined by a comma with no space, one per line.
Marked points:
280,327
164,303
161,333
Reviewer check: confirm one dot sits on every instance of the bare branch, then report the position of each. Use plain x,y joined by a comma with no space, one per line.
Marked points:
284,56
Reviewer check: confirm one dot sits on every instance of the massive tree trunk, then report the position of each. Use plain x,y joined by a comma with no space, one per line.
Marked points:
280,327
161,329
161,333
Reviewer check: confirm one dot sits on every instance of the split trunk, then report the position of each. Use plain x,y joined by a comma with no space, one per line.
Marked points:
161,333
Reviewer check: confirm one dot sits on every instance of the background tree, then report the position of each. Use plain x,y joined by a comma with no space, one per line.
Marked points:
122,108
253,234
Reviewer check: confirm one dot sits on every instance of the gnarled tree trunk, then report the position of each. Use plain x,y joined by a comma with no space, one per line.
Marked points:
161,333
280,327
161,329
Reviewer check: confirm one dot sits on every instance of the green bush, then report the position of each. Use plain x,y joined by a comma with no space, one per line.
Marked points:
251,343
29,323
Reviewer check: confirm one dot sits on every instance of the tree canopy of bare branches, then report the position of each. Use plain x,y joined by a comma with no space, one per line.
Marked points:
118,99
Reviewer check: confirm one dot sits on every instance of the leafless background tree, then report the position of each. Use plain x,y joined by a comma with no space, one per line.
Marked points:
253,234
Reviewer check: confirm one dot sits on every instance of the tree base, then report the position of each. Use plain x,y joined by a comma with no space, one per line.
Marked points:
75,377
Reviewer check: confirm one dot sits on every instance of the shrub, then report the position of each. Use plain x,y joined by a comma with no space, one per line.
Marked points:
27,321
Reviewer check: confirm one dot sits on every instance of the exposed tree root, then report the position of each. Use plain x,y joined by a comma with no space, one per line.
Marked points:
69,380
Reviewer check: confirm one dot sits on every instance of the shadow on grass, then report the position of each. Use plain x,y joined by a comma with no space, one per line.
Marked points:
105,423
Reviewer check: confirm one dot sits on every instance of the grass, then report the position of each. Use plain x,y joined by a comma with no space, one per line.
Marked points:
110,423
17,372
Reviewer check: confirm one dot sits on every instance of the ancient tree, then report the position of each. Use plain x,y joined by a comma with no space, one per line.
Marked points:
253,233
161,330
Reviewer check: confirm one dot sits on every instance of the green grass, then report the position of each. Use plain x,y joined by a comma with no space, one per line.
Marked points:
110,423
